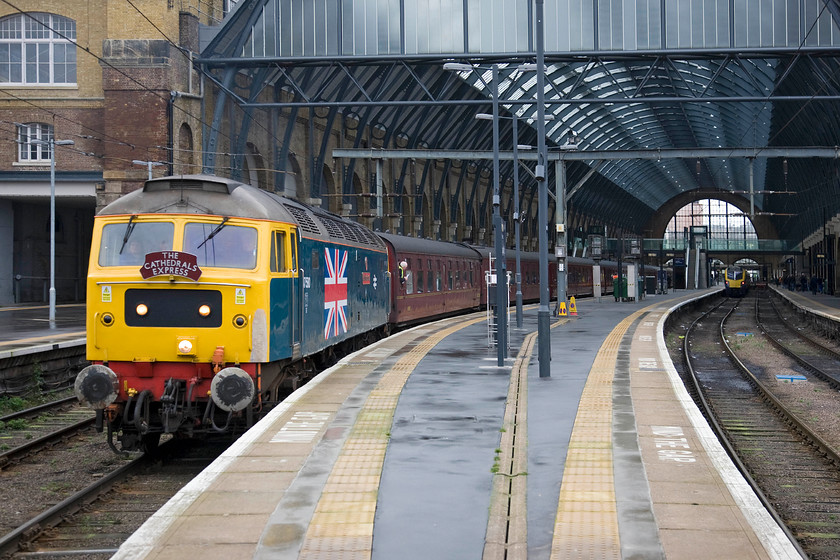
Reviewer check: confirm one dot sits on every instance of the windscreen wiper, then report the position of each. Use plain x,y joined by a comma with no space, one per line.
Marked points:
214,232
128,229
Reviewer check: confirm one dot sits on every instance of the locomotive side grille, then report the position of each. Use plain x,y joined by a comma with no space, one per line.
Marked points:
173,308
304,220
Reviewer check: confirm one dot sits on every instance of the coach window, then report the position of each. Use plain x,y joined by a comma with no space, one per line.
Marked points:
437,278
409,281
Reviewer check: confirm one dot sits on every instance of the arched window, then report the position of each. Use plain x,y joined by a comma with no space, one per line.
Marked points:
37,48
723,221
33,141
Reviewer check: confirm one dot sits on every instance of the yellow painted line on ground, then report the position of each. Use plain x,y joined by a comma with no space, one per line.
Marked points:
586,525
343,519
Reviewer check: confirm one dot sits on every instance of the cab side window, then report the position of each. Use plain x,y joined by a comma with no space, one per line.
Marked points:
279,262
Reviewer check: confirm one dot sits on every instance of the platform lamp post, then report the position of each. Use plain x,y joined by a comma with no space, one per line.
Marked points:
148,164
52,143
517,221
543,313
498,233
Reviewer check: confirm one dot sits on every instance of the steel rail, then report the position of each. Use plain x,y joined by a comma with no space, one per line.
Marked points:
12,455
817,371
11,542
721,433
36,409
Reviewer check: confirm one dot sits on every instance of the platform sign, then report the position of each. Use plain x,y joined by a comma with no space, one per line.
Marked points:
679,262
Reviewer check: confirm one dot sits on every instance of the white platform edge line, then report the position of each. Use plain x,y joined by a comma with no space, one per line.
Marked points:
766,529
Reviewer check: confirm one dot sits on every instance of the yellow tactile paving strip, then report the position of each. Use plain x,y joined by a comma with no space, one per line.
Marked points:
343,519
586,525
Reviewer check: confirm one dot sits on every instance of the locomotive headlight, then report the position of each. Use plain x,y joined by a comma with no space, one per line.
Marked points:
107,319
141,309
240,321
204,310
185,347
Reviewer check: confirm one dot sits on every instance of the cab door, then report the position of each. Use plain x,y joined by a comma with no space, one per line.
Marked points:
295,294
286,315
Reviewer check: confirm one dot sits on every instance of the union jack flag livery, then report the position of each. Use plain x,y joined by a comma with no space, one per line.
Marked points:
335,292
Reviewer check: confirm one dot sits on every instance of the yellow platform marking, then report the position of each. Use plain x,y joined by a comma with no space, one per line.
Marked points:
586,525
343,519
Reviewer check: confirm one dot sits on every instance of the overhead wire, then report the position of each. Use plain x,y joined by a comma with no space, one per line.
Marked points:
198,118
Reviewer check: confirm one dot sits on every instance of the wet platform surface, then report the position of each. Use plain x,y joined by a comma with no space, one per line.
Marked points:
421,446
27,329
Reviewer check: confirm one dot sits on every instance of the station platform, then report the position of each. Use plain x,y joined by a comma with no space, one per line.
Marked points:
26,329
815,303
421,446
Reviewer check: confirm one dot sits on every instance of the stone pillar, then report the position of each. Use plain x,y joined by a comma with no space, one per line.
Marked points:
436,229
453,231
416,227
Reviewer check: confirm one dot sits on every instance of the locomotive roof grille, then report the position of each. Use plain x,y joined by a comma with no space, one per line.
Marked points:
349,230
303,219
177,183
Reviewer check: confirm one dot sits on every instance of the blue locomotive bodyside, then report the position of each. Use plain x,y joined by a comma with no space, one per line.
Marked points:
344,292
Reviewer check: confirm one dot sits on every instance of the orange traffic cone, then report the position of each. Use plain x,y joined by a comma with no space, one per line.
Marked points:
572,306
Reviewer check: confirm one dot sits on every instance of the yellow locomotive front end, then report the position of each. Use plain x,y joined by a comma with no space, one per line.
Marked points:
177,323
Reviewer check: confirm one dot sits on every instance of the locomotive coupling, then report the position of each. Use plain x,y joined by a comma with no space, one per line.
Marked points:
232,389
96,386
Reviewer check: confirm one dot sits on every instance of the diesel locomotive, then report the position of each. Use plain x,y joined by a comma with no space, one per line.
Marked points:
209,300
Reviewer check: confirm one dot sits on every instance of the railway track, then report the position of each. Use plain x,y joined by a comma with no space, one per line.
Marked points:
26,431
764,421
94,521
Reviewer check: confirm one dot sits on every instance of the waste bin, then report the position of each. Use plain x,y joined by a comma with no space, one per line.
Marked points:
620,292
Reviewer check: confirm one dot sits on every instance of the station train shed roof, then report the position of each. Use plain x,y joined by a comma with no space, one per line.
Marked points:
660,100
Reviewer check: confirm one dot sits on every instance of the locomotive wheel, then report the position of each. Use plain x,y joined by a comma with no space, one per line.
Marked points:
149,443
141,412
